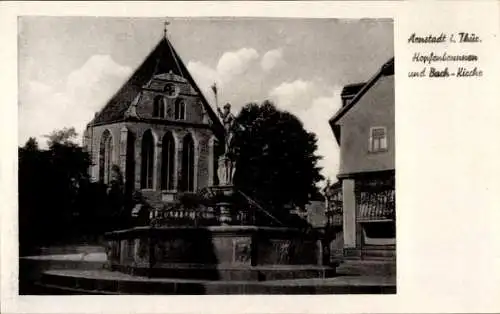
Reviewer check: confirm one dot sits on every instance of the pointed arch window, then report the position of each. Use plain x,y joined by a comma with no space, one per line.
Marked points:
159,107
168,162
130,163
187,178
147,161
180,110
105,157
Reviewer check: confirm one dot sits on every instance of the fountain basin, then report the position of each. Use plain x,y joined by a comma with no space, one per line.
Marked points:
217,253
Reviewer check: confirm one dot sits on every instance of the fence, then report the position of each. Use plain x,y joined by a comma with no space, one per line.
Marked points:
376,199
244,211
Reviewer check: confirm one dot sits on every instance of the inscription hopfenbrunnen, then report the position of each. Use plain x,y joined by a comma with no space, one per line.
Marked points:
443,63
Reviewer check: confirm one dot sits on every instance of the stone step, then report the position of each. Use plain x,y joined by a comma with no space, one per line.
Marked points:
367,268
38,264
230,272
368,253
387,253
32,268
71,249
106,282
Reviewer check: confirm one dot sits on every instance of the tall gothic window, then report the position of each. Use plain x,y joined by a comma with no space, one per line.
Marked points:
147,160
159,107
105,157
180,110
187,178
130,163
167,162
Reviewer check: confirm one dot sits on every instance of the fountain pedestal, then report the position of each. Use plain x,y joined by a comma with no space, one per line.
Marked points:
223,198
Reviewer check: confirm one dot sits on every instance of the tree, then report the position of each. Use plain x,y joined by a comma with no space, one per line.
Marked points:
57,200
65,137
33,196
118,203
31,145
50,187
276,161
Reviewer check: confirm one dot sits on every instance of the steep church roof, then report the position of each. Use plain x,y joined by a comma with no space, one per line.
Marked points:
163,59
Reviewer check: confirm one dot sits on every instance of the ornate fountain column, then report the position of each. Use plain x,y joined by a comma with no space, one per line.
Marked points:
225,191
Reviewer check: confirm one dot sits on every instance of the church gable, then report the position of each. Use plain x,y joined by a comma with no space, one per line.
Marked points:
170,97
163,76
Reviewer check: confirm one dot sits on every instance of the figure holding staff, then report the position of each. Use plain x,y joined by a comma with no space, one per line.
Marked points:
231,126
227,162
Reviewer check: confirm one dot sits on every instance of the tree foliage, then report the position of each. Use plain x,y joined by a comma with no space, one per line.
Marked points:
57,200
276,161
64,137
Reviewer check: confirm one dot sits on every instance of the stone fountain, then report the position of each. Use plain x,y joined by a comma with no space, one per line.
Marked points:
238,246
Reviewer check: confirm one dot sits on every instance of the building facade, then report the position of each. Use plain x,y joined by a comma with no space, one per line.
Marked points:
364,130
158,129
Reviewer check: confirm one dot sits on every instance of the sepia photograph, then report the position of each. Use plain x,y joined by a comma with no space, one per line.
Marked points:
206,156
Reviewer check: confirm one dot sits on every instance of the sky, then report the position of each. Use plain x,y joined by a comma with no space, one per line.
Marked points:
70,66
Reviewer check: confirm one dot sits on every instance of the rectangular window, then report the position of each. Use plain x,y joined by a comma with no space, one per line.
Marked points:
378,140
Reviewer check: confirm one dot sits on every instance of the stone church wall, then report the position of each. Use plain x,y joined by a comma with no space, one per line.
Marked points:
202,145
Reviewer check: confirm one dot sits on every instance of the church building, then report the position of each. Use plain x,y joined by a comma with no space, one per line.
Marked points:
158,129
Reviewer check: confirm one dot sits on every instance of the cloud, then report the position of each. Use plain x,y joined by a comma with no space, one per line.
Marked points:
293,95
40,110
204,75
315,119
313,103
100,73
271,59
44,108
234,63
231,65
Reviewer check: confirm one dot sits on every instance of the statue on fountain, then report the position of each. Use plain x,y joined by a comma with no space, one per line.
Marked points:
227,162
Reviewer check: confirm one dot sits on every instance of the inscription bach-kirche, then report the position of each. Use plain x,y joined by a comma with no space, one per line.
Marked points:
444,63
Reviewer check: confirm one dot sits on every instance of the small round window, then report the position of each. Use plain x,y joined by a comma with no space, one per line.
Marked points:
170,90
